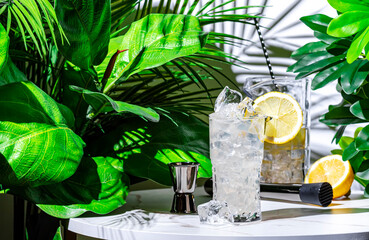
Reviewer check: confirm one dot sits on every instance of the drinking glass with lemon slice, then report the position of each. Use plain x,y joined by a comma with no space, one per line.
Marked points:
286,149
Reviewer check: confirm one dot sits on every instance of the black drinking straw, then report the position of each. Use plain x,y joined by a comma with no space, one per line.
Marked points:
266,55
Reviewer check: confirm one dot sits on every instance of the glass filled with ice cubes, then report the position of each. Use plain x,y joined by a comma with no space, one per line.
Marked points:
236,152
287,162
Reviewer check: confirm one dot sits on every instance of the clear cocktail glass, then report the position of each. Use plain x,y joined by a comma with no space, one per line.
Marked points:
236,152
288,162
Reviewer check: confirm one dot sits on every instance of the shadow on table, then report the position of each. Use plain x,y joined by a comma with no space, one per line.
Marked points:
131,219
303,212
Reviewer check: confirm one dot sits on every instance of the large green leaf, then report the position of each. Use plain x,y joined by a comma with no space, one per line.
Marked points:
362,140
11,74
353,75
309,48
152,41
146,148
4,46
36,154
86,24
24,102
102,103
317,22
96,186
348,23
340,116
326,76
349,5
358,45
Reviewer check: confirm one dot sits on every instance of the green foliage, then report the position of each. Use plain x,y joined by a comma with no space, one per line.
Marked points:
171,36
86,25
146,147
339,56
74,105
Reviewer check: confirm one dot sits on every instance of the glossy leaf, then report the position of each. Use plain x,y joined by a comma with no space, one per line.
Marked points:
151,42
36,154
358,45
86,24
318,65
309,48
4,46
356,161
349,151
326,76
11,74
339,47
339,116
348,23
340,139
353,75
349,5
96,186
325,37
362,140
317,22
24,102
146,148
361,109
309,60
102,103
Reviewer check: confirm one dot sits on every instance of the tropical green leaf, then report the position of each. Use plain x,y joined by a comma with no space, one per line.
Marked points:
362,140
348,23
326,76
11,74
350,151
358,45
339,116
101,103
339,47
151,42
349,5
309,60
361,109
86,24
317,22
309,48
36,154
96,186
356,161
146,148
325,37
338,136
4,47
353,75
24,102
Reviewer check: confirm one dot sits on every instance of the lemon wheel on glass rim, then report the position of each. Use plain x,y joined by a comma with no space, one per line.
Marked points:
286,116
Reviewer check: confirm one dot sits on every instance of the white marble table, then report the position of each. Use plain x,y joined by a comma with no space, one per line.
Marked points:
284,217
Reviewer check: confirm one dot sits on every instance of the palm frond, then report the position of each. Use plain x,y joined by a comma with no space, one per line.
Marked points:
35,20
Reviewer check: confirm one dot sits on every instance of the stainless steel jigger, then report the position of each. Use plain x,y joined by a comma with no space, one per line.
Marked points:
184,181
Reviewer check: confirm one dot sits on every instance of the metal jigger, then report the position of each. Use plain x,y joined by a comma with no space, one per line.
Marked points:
183,176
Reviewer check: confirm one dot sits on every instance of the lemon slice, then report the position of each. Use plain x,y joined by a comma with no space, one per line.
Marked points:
286,116
333,170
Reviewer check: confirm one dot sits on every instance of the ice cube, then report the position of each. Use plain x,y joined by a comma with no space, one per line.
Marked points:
215,212
227,96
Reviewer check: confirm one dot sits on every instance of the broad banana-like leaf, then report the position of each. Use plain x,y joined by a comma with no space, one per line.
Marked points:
4,46
152,41
86,24
102,103
146,148
96,186
36,154
24,102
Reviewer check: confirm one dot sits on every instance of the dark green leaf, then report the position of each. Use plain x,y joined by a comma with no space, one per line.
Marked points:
338,136
35,154
309,48
339,116
358,45
325,37
151,42
339,47
147,148
11,74
326,76
96,186
353,75
361,109
362,140
317,22
337,151
348,23
350,151
349,5
102,103
86,24
318,65
356,161
308,60
350,98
